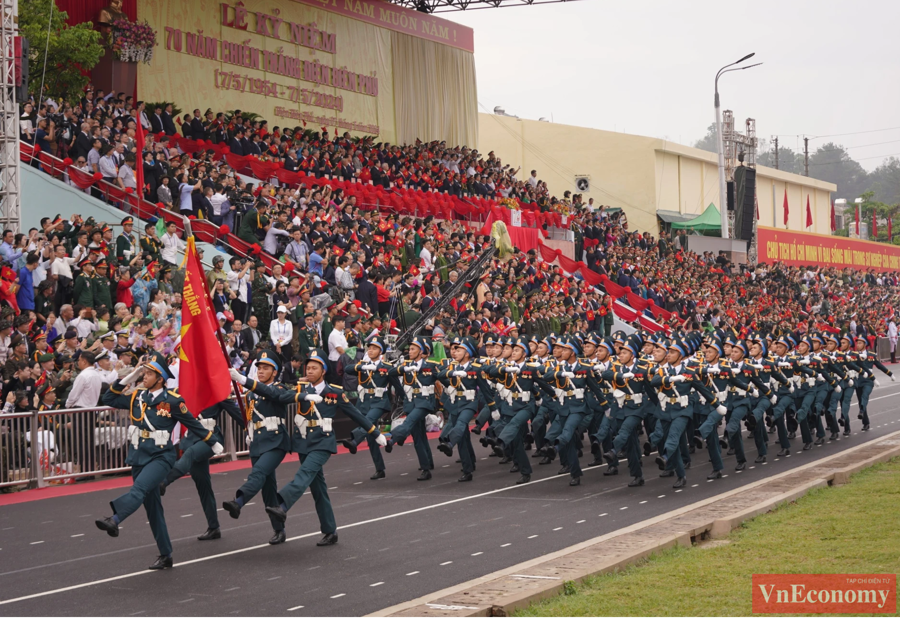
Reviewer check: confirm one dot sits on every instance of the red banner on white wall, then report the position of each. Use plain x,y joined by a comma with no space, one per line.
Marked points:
803,248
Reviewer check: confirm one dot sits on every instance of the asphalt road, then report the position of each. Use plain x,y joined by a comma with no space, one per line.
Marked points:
399,538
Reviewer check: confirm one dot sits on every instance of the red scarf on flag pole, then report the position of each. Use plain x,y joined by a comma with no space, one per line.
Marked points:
786,209
809,220
833,220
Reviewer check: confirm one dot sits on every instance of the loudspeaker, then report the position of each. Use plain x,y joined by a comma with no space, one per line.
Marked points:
729,194
744,202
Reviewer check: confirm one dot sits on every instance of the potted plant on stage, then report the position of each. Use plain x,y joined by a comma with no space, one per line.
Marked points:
132,41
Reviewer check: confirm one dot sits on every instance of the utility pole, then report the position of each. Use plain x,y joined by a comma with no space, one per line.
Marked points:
806,157
776,152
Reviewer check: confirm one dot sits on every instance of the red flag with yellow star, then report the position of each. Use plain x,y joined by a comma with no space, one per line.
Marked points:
203,378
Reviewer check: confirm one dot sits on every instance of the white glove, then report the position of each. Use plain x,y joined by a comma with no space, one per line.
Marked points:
568,374
132,377
714,369
380,440
735,371
460,374
803,361
759,367
237,377
409,368
495,415
217,448
850,383
311,398
753,392
628,376
722,410
774,399
877,383
788,365
791,389
511,369
598,368
368,367
838,389
893,378
678,378
820,378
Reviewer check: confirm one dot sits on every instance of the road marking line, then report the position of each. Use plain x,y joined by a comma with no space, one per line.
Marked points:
506,545
555,529
602,514
75,536
446,563
36,543
404,474
643,502
478,553
338,596
375,584
291,609
662,496
623,508
533,536
581,521
695,485
677,491
183,516
358,483
413,573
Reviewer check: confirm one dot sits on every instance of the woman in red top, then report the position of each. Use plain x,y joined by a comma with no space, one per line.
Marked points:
123,287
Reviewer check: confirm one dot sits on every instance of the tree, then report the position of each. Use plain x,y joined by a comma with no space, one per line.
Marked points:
69,50
885,181
832,163
710,141
788,160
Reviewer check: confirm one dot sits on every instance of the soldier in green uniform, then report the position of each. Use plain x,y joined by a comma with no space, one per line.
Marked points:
151,243
375,384
196,454
269,438
308,337
100,283
83,291
154,412
314,441
126,243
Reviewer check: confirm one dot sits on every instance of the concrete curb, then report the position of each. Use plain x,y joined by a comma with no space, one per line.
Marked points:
503,592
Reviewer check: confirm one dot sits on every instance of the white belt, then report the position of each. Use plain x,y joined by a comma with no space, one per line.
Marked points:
852,374
521,396
377,392
579,393
270,423
738,392
811,381
209,424
467,394
159,436
666,401
796,379
721,395
622,397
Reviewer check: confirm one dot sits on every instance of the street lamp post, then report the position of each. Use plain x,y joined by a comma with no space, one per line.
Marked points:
720,145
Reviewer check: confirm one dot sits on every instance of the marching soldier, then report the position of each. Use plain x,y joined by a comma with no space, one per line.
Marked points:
866,381
570,380
463,381
195,457
813,369
314,441
675,381
519,381
154,412
630,381
418,375
266,407
761,405
601,440
375,384
785,391
709,416
739,399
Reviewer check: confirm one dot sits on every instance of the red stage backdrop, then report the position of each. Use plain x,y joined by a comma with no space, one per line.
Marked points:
803,248
87,10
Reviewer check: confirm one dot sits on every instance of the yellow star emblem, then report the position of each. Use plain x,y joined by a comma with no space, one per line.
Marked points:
181,354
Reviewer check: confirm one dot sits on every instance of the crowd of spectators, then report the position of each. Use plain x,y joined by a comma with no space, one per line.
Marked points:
78,295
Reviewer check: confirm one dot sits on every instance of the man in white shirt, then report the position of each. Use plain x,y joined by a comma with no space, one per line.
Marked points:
533,180
426,256
171,244
84,324
337,343
85,391
237,279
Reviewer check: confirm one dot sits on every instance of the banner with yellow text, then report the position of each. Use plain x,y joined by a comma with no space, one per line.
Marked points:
802,248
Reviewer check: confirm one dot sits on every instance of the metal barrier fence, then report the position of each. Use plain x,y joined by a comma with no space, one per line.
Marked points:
57,447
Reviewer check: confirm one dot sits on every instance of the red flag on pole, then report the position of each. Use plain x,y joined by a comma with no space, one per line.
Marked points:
874,234
890,230
857,219
786,209
139,163
833,219
203,378
809,220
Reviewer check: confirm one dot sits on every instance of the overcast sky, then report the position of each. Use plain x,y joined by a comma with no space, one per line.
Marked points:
648,67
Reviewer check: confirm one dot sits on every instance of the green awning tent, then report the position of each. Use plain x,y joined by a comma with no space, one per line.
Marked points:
708,221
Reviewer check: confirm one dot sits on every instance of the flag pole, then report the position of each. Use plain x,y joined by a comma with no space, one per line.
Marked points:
234,386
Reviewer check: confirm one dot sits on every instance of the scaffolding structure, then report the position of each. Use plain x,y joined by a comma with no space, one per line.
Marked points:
740,145
10,214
